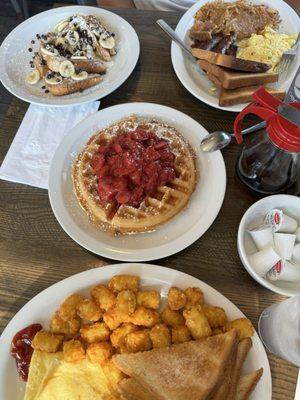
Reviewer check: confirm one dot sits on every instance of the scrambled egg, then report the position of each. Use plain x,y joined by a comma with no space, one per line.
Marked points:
267,47
51,378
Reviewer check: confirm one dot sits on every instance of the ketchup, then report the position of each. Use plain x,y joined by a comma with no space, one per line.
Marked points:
21,348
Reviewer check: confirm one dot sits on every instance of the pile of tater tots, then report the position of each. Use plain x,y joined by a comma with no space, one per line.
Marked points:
122,318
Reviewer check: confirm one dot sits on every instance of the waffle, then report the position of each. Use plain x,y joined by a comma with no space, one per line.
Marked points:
168,200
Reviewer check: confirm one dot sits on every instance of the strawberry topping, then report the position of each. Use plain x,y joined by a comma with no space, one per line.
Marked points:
132,166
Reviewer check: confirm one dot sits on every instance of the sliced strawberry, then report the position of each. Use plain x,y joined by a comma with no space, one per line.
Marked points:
98,159
136,177
123,197
160,145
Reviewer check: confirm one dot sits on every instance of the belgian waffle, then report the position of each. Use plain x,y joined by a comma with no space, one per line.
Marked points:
168,200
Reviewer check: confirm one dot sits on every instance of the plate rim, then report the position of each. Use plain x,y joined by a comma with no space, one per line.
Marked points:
177,63
141,268
167,249
57,101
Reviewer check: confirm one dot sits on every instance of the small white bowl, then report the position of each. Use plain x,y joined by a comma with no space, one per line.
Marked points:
255,216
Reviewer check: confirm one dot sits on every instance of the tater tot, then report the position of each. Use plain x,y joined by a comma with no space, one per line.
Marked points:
47,341
148,299
243,325
117,337
197,322
126,301
73,351
68,308
181,334
104,297
97,332
58,325
87,309
194,296
176,299
172,318
99,352
160,336
124,282
145,317
138,341
113,375
215,315
114,318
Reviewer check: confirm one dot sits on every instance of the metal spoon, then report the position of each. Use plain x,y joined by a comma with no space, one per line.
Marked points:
219,139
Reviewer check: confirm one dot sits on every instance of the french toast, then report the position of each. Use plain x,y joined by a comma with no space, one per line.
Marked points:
147,206
191,370
68,85
78,44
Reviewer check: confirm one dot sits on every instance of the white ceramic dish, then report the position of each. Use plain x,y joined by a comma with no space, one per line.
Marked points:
41,307
170,238
255,215
199,85
15,57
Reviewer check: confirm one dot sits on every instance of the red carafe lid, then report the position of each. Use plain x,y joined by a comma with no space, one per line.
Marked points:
283,133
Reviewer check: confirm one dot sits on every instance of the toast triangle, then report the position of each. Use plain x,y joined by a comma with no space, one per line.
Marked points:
191,370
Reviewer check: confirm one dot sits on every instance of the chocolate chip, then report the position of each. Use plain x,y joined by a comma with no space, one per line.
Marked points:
46,91
57,80
30,49
43,87
80,90
32,41
113,34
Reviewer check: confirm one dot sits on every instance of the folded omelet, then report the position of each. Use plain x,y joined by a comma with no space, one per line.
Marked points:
266,47
51,378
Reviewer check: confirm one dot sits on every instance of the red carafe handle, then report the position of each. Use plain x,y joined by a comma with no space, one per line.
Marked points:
253,108
265,107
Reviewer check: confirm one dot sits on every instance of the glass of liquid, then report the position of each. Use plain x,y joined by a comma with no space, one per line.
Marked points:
279,329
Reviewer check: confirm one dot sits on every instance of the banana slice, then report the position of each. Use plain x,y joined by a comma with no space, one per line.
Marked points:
72,37
61,25
108,42
54,80
66,69
33,77
80,77
49,51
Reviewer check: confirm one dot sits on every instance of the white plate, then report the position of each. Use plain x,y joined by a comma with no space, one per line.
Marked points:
171,237
199,85
42,306
254,216
15,57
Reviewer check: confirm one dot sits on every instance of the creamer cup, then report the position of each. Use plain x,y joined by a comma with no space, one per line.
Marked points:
280,221
262,236
284,244
284,271
263,260
296,253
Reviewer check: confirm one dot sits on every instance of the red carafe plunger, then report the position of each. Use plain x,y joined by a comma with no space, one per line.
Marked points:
270,158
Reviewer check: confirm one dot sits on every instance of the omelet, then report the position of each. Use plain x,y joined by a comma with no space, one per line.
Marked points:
266,47
51,378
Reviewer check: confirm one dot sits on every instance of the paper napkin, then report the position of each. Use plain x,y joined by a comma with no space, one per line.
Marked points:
42,129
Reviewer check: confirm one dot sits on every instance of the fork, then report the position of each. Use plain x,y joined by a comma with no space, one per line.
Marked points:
287,58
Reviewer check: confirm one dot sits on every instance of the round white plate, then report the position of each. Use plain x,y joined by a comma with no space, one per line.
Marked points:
190,75
15,57
255,216
169,238
42,306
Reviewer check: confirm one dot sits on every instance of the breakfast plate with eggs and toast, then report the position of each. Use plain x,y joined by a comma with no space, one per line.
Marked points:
130,182
237,45
68,55
136,332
